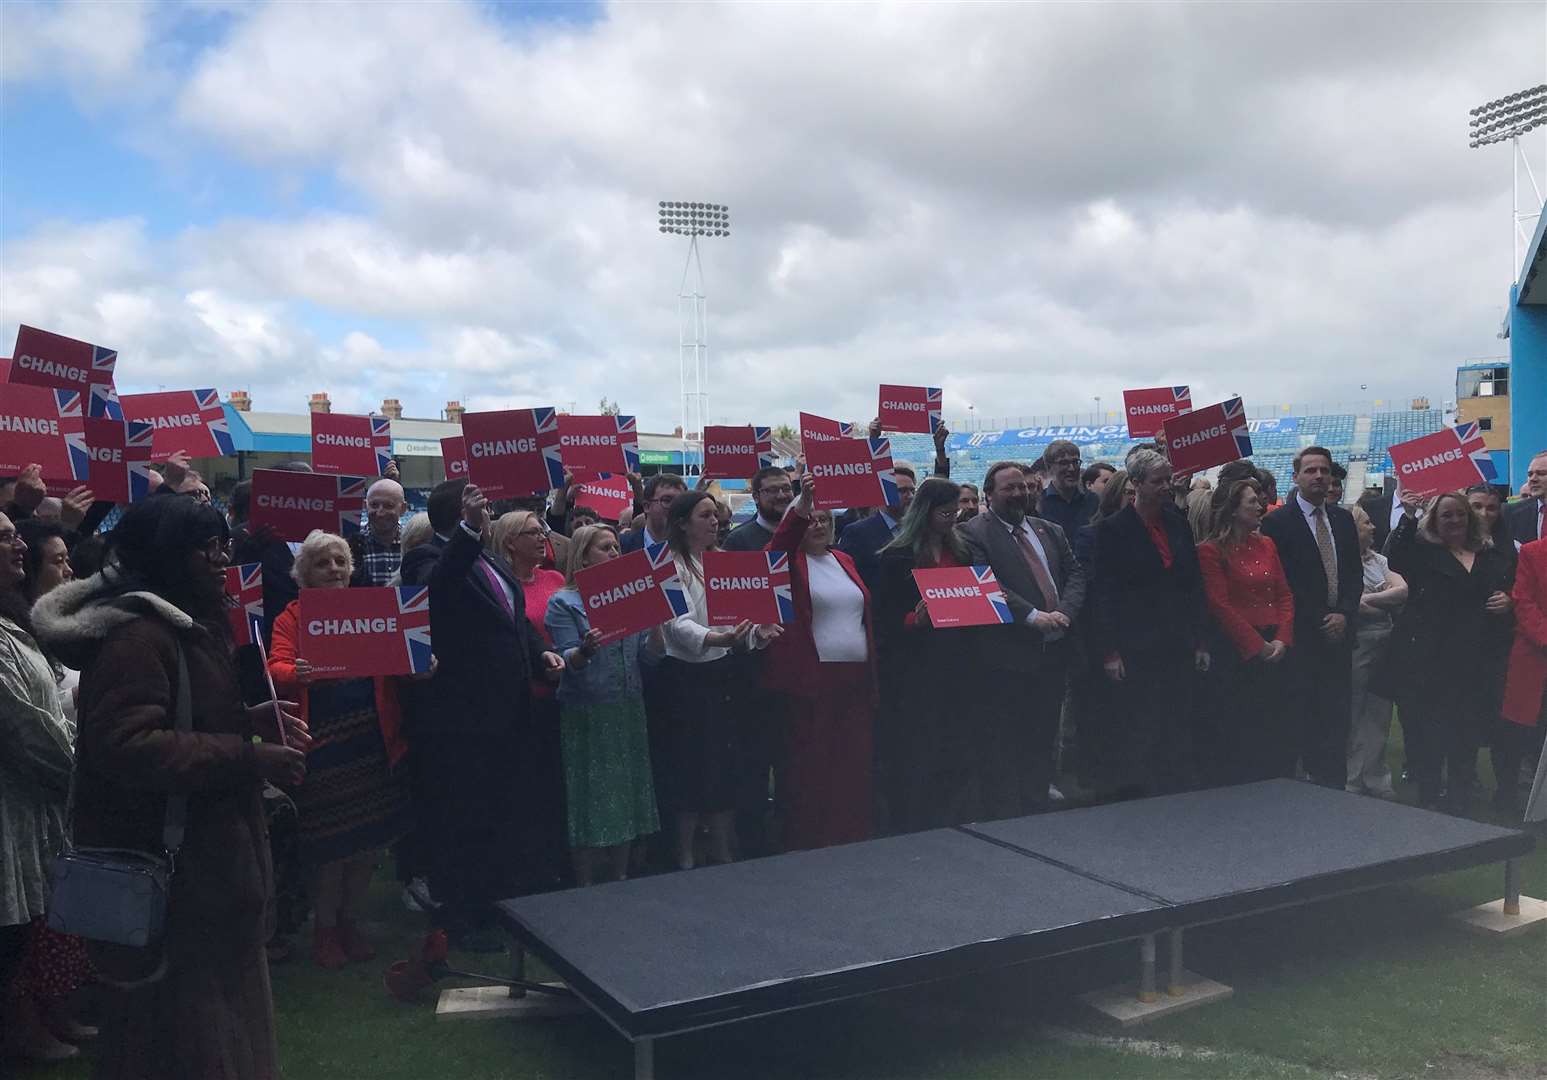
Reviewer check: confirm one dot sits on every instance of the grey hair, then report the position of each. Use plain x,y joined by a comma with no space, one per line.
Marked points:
312,549
1144,462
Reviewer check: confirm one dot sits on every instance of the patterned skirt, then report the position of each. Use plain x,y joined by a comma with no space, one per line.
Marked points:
350,802
607,778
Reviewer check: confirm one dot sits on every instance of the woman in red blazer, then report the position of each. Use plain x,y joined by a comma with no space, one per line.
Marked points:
824,666
1525,687
351,804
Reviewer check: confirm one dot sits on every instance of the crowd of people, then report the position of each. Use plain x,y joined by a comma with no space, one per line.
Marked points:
1167,633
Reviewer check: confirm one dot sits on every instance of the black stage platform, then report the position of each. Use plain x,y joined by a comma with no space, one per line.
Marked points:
663,955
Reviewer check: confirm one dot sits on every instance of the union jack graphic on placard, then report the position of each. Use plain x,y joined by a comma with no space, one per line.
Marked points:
1183,397
545,421
762,438
1235,414
881,457
665,573
933,398
413,606
993,593
1470,436
381,442
628,440
69,403
244,601
351,503
779,578
103,402
215,418
137,442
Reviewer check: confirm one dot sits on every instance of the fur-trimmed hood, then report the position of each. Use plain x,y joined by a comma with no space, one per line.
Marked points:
73,620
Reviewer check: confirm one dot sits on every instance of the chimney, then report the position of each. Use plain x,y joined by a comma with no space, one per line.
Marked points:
392,409
320,403
676,432
239,401
454,411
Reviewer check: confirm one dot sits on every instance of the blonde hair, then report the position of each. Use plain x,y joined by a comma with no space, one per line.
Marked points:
1429,527
315,546
580,544
417,531
506,526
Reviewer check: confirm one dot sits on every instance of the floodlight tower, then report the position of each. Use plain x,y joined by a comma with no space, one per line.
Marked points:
693,219
1510,117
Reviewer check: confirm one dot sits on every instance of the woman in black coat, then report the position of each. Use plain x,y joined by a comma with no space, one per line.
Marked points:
1458,609
1148,631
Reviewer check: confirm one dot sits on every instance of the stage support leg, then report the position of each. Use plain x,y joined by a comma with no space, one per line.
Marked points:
1510,915
644,1059
505,1002
1184,990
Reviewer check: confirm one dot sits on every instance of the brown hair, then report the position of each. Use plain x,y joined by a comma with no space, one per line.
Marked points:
1429,527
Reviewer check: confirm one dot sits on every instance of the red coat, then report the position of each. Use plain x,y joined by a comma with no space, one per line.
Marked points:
282,654
1528,658
792,664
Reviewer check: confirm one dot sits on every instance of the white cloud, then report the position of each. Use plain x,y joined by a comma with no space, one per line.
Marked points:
1030,205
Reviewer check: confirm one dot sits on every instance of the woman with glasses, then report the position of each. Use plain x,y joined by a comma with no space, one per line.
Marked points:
158,607
351,805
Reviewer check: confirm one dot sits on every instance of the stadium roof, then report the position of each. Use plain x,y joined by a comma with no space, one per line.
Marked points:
1533,283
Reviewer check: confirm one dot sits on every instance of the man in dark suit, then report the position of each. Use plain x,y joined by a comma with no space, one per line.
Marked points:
1526,517
659,492
1319,549
772,492
1021,699
864,540
469,725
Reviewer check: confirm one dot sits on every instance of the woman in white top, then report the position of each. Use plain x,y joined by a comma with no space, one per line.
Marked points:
1384,594
824,669
710,687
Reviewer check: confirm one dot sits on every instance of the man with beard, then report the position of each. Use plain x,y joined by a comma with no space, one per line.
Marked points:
1024,693
772,492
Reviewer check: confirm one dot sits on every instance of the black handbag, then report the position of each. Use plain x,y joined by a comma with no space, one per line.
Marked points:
118,896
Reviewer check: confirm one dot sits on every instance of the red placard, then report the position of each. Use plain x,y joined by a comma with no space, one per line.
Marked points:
631,593
120,459
736,453
815,428
352,633
852,472
453,456
344,445
1211,436
513,453
295,504
748,585
963,596
1148,409
43,426
45,359
913,409
1439,462
593,445
609,496
190,420
244,602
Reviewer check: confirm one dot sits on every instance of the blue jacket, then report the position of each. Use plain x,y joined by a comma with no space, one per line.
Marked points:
863,542
613,673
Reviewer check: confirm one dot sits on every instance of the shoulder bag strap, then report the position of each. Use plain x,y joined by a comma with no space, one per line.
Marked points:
177,805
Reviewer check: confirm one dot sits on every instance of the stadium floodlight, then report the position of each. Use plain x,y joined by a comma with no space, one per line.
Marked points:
1507,119
693,220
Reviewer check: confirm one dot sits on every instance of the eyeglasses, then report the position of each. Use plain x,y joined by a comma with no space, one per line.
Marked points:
1066,462
776,489
214,548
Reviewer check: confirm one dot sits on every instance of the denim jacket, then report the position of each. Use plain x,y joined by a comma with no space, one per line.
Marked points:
613,673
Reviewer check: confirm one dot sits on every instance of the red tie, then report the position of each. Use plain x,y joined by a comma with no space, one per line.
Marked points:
1038,569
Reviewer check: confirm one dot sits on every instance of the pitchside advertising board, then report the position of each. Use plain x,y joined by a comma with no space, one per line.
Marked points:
1148,409
344,445
1085,435
352,633
963,596
815,428
192,421
1211,436
852,472
631,593
748,585
296,504
736,453
513,453
909,409
591,446
43,426
1451,459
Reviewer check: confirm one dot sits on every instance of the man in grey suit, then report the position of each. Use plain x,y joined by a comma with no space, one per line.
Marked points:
1028,660
1526,516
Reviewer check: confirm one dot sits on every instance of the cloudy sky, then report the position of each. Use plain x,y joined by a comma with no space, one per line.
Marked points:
1029,205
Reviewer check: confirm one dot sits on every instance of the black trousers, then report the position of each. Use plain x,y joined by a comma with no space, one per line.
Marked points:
1320,676
1153,722
1442,737
13,950
1251,725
